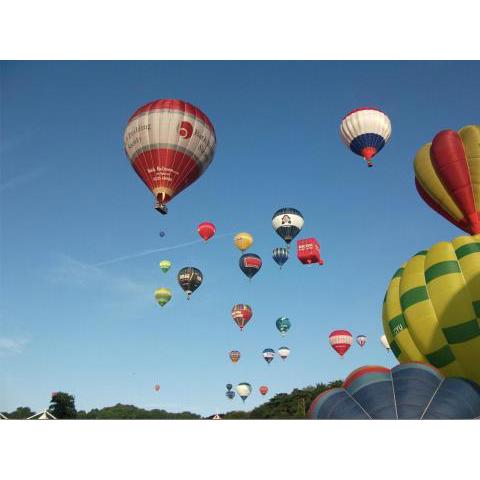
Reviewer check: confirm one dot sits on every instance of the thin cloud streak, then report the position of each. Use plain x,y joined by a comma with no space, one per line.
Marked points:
22,179
157,250
12,345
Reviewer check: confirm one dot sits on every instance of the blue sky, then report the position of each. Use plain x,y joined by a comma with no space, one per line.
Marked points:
70,203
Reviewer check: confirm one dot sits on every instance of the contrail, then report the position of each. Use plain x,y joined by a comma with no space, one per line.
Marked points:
157,250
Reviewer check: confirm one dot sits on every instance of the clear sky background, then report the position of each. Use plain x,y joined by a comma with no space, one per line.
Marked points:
74,318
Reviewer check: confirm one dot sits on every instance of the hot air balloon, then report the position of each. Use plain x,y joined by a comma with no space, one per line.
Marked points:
234,356
170,144
365,131
243,241
165,265
447,176
162,234
407,391
250,264
268,354
287,222
384,342
189,278
230,395
308,251
157,388
206,230
283,325
280,255
241,314
432,306
284,352
163,296
263,389
228,386
361,340
244,390
340,340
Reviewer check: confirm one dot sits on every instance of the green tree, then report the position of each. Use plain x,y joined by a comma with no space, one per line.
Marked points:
20,413
62,405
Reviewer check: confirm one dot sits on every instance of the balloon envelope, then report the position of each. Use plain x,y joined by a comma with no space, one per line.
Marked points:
170,143
189,278
244,390
365,131
263,389
234,356
206,230
243,241
230,394
241,314
287,222
280,255
361,340
431,308
157,388
163,296
165,265
228,386
283,325
340,340
407,391
250,264
447,176
284,352
268,354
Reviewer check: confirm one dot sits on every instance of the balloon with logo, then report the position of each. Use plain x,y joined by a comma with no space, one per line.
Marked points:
250,264
431,308
165,265
241,314
157,388
447,176
228,386
361,340
263,389
287,222
230,395
283,325
341,341
163,296
243,241
268,354
206,230
244,390
366,131
284,352
189,278
280,255
170,144
234,356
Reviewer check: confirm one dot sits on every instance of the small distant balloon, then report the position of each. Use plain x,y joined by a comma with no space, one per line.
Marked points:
250,264
283,352
234,356
228,386
268,354
283,325
341,341
189,278
287,222
230,395
157,388
361,340
280,255
244,390
206,230
243,241
163,296
263,389
384,341
162,233
241,314
165,265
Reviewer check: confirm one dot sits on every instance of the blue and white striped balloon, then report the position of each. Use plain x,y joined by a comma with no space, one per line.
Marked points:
365,131
280,255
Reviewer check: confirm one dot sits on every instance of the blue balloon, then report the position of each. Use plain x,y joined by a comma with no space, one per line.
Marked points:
230,395
407,391
162,234
228,386
280,255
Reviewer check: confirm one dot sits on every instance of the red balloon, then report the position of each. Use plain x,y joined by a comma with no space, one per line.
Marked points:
340,340
206,230
263,390
241,314
308,251
157,388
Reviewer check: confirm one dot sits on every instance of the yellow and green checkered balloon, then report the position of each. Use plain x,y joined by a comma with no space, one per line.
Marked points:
431,311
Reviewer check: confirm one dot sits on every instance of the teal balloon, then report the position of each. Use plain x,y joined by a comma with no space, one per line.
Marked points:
283,325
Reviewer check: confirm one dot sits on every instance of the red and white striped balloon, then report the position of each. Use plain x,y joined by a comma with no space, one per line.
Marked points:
340,340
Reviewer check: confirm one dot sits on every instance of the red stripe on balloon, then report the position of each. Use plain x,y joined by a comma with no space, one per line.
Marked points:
462,225
362,371
450,163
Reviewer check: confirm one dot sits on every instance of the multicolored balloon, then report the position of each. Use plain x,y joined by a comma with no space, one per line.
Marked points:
170,144
165,265
361,340
244,390
263,389
407,391
280,255
366,131
163,296
234,356
341,341
230,395
189,278
250,264
206,230
284,352
287,222
243,241
447,176
268,354
432,306
283,325
241,314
